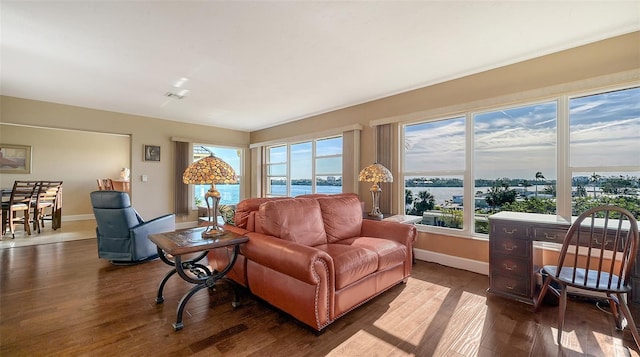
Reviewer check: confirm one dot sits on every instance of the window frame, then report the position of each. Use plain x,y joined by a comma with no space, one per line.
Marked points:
563,169
287,162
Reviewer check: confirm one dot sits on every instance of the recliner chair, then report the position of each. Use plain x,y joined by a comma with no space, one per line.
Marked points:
122,234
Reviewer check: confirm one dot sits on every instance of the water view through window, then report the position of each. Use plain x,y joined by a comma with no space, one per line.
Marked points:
305,167
516,160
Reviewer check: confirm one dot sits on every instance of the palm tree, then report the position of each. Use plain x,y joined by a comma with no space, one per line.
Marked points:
594,179
408,199
539,176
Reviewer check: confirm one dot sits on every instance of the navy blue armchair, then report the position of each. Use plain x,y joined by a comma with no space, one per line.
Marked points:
122,234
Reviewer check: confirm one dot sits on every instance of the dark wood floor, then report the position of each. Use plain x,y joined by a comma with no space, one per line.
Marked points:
60,299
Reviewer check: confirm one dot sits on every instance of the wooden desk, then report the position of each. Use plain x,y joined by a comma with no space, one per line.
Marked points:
512,267
171,247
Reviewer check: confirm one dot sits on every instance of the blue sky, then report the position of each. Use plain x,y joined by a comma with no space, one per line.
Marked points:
518,142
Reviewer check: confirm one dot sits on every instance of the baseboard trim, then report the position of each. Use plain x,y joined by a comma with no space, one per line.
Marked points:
84,217
78,217
452,261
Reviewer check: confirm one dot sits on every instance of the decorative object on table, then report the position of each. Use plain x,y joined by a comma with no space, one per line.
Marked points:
151,153
213,170
15,159
375,173
125,174
228,212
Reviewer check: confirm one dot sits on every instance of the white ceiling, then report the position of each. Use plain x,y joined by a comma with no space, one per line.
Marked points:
252,65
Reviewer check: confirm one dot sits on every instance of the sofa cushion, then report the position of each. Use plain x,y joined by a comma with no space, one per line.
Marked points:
297,220
342,216
350,263
245,207
390,253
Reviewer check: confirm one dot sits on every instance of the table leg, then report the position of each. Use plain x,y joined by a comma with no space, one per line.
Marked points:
183,302
159,297
202,278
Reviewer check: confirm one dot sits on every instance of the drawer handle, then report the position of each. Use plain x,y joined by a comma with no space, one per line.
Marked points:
552,236
510,247
509,287
510,267
606,241
513,231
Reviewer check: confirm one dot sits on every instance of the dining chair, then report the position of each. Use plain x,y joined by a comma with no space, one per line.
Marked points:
596,259
20,200
47,203
105,184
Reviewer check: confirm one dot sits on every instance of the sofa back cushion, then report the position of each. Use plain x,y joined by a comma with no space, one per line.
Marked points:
342,216
297,220
243,217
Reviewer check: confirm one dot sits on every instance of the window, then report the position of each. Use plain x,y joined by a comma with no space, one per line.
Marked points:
277,171
304,167
515,157
229,193
434,161
328,165
604,144
515,161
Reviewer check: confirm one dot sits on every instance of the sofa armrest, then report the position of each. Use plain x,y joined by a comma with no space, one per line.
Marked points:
290,258
166,223
235,229
402,233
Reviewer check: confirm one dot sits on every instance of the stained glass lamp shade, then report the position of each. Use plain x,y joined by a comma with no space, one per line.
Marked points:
375,173
213,170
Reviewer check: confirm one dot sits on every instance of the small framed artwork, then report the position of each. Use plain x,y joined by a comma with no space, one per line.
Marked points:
151,153
15,159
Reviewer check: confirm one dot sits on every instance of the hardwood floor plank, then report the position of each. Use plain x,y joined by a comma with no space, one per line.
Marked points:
59,299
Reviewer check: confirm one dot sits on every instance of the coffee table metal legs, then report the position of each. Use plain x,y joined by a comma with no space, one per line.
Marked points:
199,275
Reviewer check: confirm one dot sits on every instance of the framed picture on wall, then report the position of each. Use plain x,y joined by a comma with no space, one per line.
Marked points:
15,159
151,153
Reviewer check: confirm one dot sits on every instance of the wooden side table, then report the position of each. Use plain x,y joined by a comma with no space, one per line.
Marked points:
171,247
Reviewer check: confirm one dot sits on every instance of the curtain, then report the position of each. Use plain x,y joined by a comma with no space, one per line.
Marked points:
384,147
183,160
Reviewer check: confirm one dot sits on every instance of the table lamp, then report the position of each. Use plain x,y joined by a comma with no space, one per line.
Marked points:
213,170
375,173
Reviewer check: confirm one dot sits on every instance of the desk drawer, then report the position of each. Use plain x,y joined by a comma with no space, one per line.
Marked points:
513,267
544,234
511,285
508,230
511,247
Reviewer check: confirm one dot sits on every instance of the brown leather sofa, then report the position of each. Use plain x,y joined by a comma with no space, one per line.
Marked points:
316,258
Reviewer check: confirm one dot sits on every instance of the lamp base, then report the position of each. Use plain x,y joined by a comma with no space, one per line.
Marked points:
376,216
212,232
